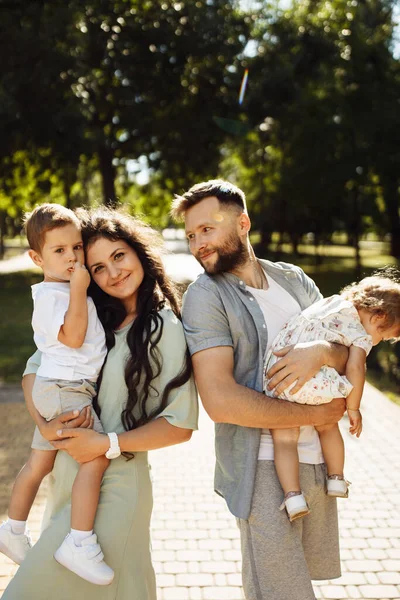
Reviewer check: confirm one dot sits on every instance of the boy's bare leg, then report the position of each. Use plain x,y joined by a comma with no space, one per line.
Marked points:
332,448
86,492
40,463
286,458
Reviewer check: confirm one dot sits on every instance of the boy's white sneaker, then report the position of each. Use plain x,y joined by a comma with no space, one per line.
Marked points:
339,488
296,507
85,561
15,546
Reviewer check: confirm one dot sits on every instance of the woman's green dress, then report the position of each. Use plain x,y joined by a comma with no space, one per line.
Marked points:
123,516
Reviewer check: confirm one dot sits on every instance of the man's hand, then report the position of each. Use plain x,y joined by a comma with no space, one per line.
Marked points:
329,413
299,363
68,420
80,278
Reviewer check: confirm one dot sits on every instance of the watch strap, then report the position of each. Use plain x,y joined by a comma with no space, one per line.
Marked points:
114,450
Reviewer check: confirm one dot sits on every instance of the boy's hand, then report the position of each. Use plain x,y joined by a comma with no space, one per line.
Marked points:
355,418
80,278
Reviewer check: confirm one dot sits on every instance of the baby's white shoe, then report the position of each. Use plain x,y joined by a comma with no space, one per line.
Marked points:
85,561
296,506
15,546
337,486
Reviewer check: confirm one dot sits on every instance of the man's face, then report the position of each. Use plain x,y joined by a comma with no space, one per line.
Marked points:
213,234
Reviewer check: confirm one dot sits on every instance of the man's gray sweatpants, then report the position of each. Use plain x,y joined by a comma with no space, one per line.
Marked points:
280,558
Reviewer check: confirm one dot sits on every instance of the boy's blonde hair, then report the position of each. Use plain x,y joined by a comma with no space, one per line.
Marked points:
378,294
45,218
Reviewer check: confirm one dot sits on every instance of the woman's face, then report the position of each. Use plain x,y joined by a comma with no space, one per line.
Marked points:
116,269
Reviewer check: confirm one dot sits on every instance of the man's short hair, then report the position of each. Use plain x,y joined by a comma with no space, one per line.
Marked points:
227,194
45,218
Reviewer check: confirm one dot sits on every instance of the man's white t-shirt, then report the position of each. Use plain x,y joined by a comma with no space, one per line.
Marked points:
50,303
278,306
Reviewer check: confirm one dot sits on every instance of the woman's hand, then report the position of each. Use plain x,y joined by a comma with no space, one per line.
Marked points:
69,420
83,445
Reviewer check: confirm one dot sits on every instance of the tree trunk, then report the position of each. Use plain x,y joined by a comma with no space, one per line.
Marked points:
67,193
391,195
2,232
107,170
265,238
356,228
294,239
317,255
278,247
68,178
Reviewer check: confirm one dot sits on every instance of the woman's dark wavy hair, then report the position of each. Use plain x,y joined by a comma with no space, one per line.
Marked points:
155,291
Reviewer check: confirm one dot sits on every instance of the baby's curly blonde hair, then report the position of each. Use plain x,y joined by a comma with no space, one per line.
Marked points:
378,294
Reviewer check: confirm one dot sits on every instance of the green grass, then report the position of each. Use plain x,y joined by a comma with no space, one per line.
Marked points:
16,336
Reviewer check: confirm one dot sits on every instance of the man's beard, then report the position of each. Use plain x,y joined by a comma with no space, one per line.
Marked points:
231,254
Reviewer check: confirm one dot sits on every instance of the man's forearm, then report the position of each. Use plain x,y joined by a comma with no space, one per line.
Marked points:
249,408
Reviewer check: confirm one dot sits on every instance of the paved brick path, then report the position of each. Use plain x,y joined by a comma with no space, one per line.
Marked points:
195,540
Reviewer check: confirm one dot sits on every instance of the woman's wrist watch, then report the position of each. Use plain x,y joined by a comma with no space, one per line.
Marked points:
114,450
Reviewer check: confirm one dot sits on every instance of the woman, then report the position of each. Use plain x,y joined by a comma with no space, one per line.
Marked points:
146,395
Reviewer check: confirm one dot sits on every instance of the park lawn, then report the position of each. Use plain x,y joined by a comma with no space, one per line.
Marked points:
16,343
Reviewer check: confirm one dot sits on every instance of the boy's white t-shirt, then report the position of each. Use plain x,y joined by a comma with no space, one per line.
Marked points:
278,306
50,303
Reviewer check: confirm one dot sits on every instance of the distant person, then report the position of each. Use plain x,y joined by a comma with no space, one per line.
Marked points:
147,400
363,315
231,315
71,339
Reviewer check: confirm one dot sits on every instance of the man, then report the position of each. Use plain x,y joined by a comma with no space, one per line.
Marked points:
231,314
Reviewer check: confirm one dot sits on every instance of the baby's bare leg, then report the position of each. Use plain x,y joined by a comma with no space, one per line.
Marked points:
332,448
287,458
85,493
40,463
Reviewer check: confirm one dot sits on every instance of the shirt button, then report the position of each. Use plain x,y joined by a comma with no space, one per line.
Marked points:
241,282
251,299
264,326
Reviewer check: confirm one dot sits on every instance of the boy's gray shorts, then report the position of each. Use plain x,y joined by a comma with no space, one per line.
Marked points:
280,558
52,397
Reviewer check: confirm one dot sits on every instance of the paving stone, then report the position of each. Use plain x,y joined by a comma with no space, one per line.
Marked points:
218,567
176,593
175,567
378,592
334,591
196,593
351,579
364,565
389,577
228,593
353,592
376,553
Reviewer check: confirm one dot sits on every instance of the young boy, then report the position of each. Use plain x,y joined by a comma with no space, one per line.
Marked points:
71,338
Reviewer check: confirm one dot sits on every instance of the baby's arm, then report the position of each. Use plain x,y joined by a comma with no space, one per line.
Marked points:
73,331
355,373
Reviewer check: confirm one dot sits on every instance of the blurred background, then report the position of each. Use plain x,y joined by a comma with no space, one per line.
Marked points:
131,101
